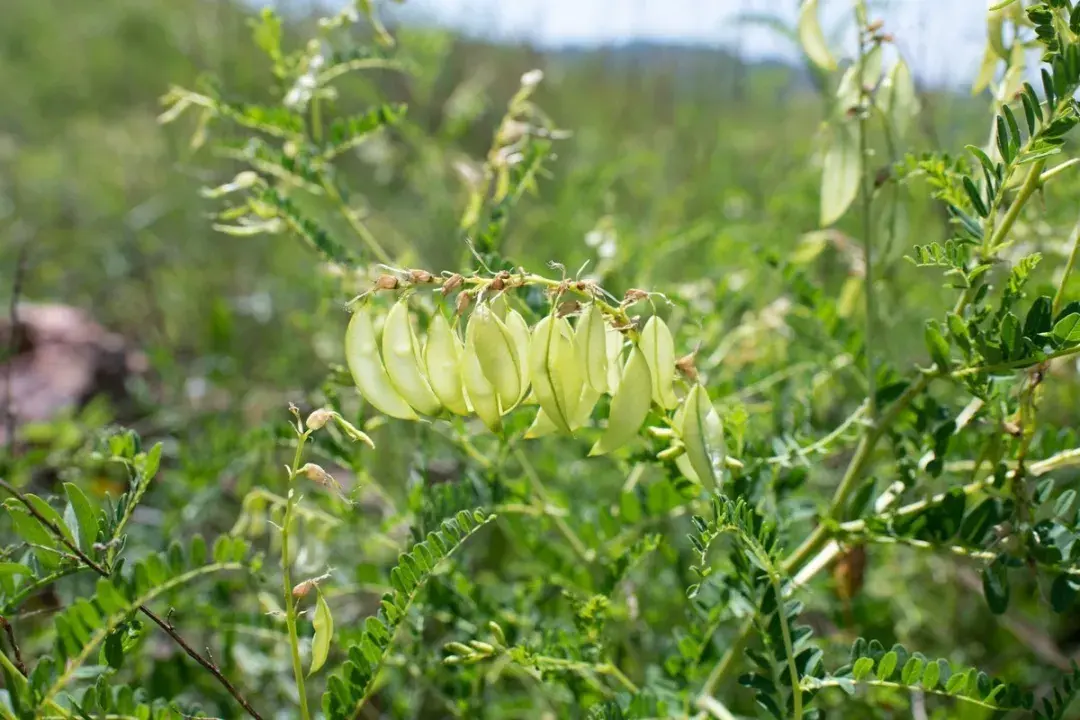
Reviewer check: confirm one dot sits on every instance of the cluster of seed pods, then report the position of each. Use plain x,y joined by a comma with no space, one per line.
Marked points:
560,367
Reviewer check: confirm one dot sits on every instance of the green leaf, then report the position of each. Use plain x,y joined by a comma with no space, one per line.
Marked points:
86,524
841,172
861,669
956,683
1063,592
937,345
973,195
50,513
324,632
886,666
930,675
912,671
31,531
996,586
1067,329
1039,318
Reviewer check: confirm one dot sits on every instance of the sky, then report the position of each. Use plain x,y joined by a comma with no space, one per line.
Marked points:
942,39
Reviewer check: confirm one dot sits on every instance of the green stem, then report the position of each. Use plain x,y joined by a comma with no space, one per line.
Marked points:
1031,184
1059,296
538,487
358,227
867,200
789,650
290,602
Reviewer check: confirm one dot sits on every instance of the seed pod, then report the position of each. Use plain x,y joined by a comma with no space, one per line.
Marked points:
442,360
497,352
700,429
318,418
659,349
542,424
479,392
556,374
519,330
368,372
401,355
614,342
629,406
592,348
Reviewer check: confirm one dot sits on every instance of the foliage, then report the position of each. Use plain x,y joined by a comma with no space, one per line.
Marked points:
599,500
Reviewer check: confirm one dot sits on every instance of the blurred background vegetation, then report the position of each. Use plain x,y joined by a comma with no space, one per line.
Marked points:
684,168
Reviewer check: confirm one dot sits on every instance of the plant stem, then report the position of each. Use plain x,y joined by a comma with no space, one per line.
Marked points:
1031,184
789,650
209,666
538,486
290,601
1059,296
867,200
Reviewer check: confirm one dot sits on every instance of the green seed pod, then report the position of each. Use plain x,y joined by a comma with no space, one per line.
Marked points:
592,348
543,425
630,405
401,355
659,348
368,372
702,433
497,351
556,374
614,343
519,330
442,359
479,391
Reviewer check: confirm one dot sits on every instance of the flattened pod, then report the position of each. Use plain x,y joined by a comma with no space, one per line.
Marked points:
629,407
368,372
401,356
478,390
442,358
614,342
519,330
702,433
543,425
497,352
556,375
659,348
592,348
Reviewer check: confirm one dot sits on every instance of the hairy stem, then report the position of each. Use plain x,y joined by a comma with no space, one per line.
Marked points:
290,601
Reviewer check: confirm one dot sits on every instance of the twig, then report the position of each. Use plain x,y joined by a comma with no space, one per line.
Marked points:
13,342
579,547
210,666
14,645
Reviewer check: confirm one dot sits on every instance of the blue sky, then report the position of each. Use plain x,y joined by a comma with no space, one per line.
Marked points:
942,39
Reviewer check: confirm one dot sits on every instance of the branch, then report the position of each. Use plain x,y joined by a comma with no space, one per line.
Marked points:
14,645
13,341
167,627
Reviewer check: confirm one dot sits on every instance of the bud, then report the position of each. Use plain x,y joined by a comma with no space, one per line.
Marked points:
316,474
483,647
633,295
497,631
458,648
452,283
386,282
463,301
499,282
875,26
685,365
532,78
302,589
672,452
660,432
421,276
317,419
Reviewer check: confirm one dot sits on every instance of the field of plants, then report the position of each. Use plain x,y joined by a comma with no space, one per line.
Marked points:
355,369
